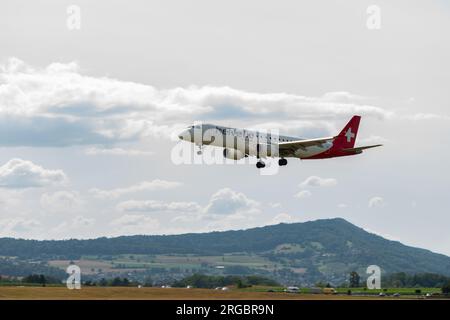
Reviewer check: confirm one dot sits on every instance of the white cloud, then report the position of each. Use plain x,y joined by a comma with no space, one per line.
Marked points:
303,194
281,218
60,201
427,116
134,224
226,208
80,221
158,206
274,204
60,106
77,223
10,200
315,181
80,226
18,226
18,173
342,205
376,202
93,151
153,185
229,202
342,96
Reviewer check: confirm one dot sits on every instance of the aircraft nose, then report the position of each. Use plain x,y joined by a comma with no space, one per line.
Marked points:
184,135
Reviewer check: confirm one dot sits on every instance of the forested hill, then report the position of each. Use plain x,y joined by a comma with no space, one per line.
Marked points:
321,243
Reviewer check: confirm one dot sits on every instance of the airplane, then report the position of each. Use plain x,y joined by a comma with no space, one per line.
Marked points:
240,143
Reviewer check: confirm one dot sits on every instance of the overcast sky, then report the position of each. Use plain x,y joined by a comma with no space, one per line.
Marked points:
87,115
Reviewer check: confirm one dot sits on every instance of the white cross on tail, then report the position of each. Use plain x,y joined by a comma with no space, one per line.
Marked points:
349,134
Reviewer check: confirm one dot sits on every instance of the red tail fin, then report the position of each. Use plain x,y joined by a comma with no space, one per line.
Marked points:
347,137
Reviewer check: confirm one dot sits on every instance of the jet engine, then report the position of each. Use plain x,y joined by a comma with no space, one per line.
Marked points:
233,154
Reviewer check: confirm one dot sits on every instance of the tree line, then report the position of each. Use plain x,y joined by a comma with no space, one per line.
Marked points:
208,282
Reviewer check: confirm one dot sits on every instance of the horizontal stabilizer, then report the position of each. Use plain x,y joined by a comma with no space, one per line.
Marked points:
360,149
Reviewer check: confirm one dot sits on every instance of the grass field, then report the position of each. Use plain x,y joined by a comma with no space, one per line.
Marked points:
118,293
127,263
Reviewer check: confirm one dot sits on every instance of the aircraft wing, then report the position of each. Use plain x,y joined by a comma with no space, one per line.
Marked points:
302,144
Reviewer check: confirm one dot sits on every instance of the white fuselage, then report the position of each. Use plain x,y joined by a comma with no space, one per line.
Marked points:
249,142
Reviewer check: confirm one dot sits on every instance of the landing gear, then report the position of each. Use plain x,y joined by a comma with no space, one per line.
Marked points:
260,164
282,162
199,152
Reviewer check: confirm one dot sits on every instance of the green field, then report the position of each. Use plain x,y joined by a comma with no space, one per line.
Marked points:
390,291
97,264
355,291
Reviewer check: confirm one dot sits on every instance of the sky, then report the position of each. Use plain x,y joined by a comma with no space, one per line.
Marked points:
92,94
